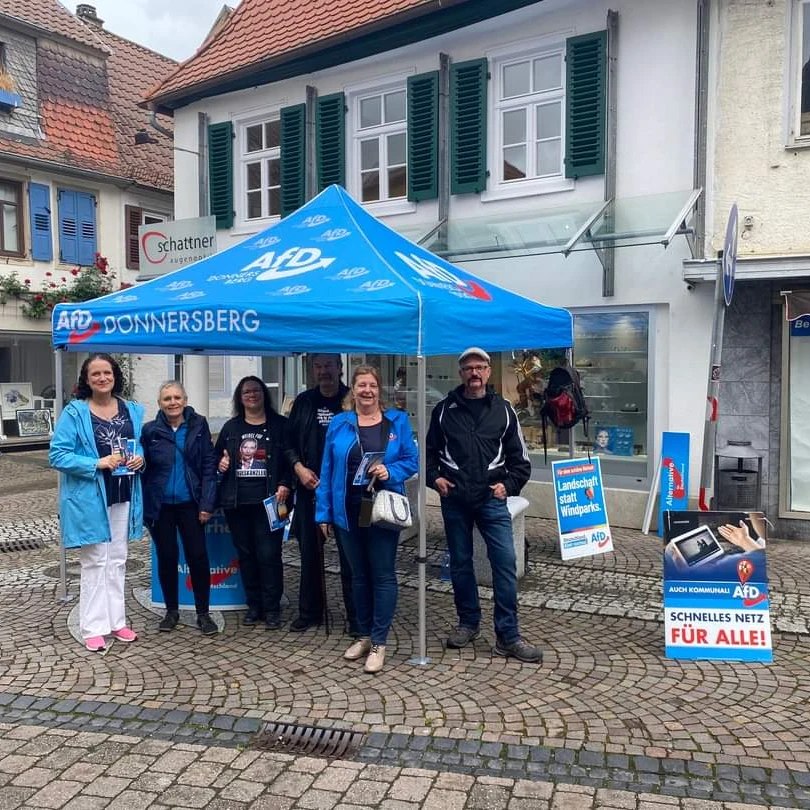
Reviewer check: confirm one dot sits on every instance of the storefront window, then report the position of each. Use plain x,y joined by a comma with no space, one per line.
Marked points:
798,396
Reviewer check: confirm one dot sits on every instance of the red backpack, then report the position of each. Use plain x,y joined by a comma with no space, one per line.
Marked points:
563,401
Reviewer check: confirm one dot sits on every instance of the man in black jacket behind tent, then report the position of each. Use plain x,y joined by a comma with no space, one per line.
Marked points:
476,458
309,419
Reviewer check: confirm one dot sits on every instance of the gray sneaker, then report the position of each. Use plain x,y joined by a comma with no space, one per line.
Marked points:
461,637
520,649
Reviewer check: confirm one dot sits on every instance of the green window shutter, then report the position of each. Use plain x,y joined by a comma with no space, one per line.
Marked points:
293,158
220,173
586,93
423,136
330,134
468,120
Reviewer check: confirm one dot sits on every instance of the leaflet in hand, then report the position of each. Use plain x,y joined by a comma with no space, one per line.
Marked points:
126,447
361,477
278,514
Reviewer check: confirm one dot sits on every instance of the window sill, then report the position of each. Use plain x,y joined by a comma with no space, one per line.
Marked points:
528,189
390,208
253,227
798,143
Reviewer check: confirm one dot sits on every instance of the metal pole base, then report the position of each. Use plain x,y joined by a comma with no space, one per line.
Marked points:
419,661
65,598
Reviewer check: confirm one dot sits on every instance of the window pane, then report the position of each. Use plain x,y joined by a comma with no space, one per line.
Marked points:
254,204
272,134
514,163
371,186
516,79
8,193
10,242
397,182
395,106
548,157
370,112
548,73
396,149
274,172
254,175
549,120
273,201
254,138
514,127
370,154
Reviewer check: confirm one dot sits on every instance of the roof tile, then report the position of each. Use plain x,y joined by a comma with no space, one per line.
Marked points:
51,16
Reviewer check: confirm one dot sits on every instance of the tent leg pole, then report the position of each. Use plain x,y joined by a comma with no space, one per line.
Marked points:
62,594
421,658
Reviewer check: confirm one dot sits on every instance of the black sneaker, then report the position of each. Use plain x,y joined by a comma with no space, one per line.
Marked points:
300,624
252,617
462,636
273,622
169,621
520,649
206,624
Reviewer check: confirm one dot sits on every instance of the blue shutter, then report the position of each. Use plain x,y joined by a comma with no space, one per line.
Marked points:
86,209
68,228
39,205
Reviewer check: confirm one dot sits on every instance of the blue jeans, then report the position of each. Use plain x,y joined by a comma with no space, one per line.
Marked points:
372,555
493,521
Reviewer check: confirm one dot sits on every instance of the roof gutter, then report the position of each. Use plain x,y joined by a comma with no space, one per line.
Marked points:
443,11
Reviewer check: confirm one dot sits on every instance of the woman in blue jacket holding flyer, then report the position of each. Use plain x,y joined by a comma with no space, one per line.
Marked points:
368,443
96,447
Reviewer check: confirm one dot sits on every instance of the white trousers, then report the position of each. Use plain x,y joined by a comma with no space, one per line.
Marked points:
104,565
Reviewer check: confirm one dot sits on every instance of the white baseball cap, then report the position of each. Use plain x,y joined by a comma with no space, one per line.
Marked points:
473,351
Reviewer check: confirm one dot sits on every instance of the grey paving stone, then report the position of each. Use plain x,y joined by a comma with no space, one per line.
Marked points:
781,777
750,774
565,756
699,768
647,764
618,761
247,725
444,744
469,747
673,765
540,755
490,749
590,758
177,716
222,721
23,702
377,740
125,712
65,705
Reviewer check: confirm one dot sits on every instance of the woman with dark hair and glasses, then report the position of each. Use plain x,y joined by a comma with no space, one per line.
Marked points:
252,465
96,448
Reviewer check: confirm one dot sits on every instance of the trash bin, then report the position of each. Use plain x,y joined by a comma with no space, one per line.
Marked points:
738,477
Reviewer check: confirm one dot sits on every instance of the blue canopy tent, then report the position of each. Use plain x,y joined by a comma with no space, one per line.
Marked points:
328,278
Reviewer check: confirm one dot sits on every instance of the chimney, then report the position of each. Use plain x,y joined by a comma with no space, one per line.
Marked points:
87,13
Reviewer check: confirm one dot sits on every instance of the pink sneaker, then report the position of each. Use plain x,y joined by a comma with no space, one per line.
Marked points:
95,643
125,634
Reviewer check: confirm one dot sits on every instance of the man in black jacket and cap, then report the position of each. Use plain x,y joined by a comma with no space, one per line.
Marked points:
309,419
476,458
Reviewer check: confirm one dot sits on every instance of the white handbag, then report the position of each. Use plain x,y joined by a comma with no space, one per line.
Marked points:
391,511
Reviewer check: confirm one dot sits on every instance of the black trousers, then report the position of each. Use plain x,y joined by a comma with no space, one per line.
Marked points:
259,552
182,517
310,593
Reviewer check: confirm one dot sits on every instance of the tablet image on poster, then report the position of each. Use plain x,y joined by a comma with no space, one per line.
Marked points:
278,514
716,598
361,477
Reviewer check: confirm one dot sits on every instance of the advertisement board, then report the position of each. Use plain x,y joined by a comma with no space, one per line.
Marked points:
579,501
673,475
716,598
227,592
167,246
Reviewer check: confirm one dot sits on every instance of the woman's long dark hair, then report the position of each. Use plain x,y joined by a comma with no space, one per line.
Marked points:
239,407
83,390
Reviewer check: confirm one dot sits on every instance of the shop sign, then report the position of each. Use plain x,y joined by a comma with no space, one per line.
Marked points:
167,246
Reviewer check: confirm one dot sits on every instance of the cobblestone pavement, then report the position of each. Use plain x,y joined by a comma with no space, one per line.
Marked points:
606,721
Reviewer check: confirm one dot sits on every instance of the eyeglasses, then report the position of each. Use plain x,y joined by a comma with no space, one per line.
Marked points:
478,368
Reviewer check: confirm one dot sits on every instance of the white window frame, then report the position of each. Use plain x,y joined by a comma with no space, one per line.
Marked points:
354,95
218,367
532,185
241,160
796,9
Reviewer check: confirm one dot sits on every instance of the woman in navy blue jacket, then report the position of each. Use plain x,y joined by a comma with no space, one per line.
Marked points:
371,551
180,484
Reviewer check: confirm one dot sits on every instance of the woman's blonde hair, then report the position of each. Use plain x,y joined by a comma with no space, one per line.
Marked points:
348,400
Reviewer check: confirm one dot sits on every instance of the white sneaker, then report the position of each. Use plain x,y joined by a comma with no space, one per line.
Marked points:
376,658
358,649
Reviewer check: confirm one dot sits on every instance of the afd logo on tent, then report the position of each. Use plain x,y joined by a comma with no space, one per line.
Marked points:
291,262
79,324
431,274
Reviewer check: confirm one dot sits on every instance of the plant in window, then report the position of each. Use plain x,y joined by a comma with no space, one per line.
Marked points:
7,82
87,282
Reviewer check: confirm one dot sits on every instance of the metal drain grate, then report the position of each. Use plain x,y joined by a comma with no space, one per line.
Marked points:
21,544
299,739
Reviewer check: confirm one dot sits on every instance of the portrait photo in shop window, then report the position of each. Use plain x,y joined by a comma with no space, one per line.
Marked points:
612,440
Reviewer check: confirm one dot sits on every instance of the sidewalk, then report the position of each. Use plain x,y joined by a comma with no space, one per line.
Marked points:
606,721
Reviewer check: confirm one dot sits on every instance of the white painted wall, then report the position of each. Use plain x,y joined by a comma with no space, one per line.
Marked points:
656,81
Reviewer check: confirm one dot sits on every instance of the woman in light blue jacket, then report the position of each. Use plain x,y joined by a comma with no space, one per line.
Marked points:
370,550
96,448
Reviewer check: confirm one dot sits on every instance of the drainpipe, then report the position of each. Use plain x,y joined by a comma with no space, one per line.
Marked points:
701,123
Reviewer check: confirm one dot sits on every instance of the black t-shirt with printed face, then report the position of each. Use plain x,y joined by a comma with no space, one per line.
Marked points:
250,464
325,409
